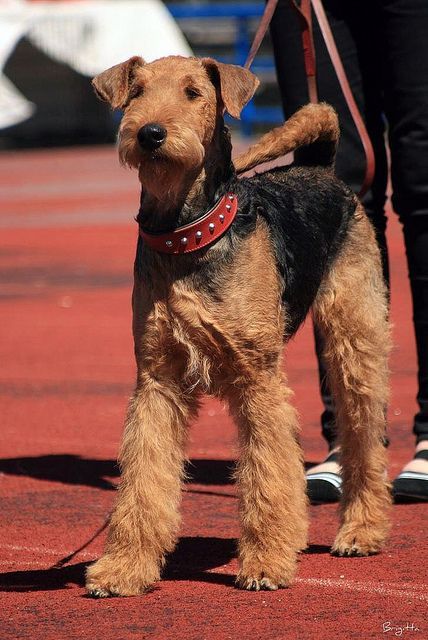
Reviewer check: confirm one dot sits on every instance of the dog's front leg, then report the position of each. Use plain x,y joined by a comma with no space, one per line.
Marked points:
271,480
145,520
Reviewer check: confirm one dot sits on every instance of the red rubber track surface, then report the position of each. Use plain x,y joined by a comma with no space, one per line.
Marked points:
67,242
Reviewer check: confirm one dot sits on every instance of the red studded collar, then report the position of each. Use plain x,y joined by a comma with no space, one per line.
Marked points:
198,234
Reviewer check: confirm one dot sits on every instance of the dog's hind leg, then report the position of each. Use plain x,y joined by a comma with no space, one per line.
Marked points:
271,481
145,520
351,312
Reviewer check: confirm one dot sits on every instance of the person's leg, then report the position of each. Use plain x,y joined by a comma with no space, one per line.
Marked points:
355,37
406,97
357,47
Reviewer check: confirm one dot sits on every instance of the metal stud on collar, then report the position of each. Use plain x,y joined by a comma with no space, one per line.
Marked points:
200,233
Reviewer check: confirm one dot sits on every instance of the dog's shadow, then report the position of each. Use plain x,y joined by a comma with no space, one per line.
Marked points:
103,474
193,560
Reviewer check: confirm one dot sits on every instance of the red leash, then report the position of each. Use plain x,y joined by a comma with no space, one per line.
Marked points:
305,17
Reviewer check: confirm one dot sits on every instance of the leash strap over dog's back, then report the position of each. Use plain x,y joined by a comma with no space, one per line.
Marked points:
305,18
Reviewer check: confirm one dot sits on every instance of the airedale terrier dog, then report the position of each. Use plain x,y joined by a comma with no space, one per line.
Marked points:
226,270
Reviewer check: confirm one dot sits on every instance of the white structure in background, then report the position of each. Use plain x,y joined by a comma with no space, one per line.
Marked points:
88,35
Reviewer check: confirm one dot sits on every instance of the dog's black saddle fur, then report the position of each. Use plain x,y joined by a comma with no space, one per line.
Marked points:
308,211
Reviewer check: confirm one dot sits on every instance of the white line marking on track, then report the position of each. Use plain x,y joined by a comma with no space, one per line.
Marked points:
366,587
44,551
20,563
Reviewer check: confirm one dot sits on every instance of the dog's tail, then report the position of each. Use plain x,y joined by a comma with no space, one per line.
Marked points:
314,130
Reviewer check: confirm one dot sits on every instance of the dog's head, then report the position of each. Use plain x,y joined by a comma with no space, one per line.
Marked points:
171,109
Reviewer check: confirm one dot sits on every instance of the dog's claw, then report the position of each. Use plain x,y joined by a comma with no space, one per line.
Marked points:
354,551
267,585
100,593
354,548
260,584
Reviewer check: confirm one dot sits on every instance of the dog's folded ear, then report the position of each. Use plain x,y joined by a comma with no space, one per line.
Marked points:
236,84
113,85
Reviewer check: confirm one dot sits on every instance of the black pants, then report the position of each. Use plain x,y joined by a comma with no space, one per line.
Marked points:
384,49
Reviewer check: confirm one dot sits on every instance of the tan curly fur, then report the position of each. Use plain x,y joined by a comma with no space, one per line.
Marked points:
351,311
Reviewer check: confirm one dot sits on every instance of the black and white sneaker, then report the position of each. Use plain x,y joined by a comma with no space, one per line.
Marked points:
325,486
412,485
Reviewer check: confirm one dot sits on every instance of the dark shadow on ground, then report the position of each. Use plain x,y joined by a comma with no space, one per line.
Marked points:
317,549
101,474
194,556
193,560
64,468
215,472
43,579
72,469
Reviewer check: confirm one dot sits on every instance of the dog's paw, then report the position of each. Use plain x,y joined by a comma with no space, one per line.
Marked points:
264,583
266,570
357,543
348,550
96,592
112,576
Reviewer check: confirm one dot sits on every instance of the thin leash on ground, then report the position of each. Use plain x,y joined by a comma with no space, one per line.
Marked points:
86,544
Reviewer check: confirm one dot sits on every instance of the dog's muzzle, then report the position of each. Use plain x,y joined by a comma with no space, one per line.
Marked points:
151,136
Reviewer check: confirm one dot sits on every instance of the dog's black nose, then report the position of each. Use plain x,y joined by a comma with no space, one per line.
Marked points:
151,136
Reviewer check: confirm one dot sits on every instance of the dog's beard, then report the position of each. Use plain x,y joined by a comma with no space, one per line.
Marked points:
164,172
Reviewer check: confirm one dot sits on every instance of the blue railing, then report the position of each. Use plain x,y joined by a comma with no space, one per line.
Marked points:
241,13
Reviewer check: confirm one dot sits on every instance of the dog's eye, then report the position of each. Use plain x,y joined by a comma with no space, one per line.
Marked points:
192,93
